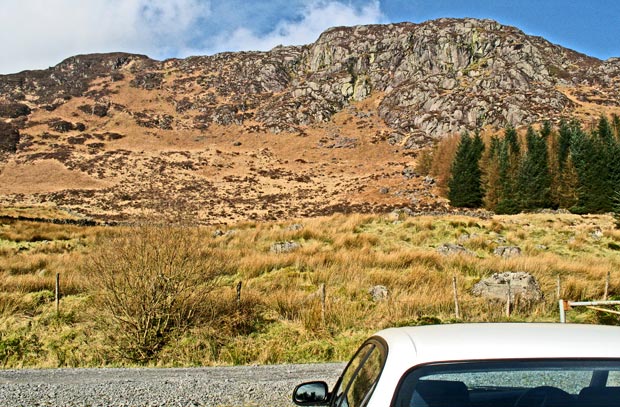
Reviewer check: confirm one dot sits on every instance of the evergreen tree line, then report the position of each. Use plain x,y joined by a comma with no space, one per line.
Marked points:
564,167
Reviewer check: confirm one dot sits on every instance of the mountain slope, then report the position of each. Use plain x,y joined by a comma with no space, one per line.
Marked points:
293,132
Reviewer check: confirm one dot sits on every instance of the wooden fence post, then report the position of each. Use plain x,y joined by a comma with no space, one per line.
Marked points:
457,310
508,302
239,284
57,294
606,295
323,299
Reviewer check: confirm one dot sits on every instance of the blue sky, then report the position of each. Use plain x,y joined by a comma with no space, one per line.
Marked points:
39,33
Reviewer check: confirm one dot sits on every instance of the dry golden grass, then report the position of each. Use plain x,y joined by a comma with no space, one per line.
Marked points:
281,317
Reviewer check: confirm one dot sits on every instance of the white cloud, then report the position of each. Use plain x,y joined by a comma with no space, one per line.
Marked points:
315,19
41,33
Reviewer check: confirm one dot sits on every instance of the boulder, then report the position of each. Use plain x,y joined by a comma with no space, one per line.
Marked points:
449,249
597,234
522,285
378,293
284,247
409,173
507,251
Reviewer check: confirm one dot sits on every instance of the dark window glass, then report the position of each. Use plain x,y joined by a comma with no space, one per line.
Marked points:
360,377
519,383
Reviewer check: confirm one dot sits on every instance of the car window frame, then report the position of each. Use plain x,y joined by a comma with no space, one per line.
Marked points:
379,345
422,367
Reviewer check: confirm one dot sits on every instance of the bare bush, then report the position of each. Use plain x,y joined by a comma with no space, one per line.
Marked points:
153,283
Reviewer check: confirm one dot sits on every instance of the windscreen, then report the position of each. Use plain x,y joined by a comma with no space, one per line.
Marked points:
547,383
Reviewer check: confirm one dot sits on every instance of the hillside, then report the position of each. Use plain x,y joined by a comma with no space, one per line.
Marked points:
333,126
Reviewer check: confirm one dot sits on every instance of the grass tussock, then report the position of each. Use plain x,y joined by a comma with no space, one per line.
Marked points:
281,313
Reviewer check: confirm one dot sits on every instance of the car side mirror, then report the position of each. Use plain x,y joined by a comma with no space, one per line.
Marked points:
311,394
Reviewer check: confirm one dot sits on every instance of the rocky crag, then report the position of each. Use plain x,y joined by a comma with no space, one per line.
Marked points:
297,131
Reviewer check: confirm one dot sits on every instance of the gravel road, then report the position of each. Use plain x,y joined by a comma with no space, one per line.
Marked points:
239,386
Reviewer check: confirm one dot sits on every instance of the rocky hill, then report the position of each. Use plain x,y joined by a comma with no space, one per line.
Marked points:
297,131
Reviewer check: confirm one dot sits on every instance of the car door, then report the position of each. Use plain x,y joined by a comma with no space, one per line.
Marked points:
358,380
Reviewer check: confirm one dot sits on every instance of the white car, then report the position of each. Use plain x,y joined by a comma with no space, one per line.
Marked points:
478,365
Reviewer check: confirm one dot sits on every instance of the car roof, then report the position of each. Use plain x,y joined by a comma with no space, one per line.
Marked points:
454,342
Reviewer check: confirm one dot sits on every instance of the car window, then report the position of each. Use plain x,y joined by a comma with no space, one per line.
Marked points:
614,379
360,377
517,383
569,381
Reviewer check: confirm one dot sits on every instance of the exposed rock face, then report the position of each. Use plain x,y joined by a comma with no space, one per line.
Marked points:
72,77
449,75
437,77
522,285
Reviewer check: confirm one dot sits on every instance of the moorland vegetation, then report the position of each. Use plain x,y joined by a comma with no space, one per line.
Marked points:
162,295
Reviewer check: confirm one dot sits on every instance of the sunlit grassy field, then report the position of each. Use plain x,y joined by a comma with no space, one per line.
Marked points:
281,316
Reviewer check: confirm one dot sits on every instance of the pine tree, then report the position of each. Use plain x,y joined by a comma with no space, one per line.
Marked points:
464,185
615,123
604,130
512,140
613,160
567,186
546,129
616,208
593,157
491,177
509,159
534,179
566,132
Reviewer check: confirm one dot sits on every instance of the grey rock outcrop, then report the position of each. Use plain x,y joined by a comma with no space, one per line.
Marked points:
454,74
449,249
284,247
430,79
507,251
521,285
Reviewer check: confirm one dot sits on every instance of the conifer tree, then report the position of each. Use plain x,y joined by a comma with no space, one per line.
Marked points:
465,184
546,129
567,185
509,158
604,130
593,156
616,208
512,140
615,123
565,135
491,177
534,179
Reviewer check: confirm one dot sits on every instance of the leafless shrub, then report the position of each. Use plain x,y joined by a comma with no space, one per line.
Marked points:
152,283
